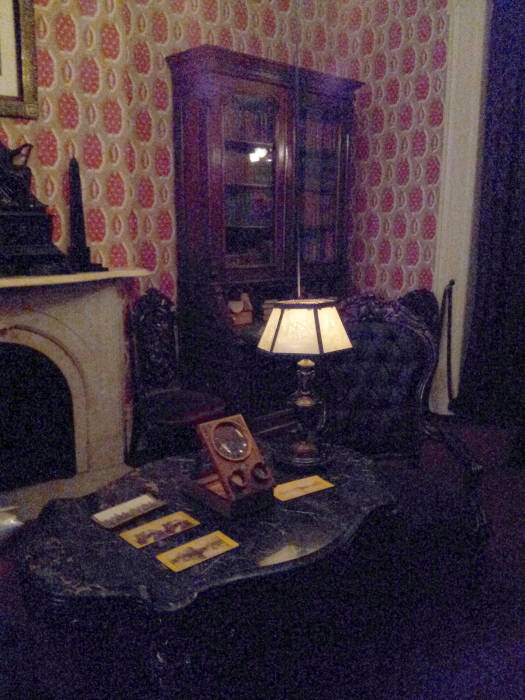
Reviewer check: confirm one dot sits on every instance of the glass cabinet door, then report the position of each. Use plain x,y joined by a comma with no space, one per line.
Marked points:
251,228
318,185
262,174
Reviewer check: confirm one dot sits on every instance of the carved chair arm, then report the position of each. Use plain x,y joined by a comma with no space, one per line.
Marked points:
473,472
473,469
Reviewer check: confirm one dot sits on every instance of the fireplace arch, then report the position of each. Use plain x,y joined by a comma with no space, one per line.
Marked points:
49,337
78,326
36,419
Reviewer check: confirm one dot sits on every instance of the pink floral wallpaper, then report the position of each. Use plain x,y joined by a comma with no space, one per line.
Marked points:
104,97
399,50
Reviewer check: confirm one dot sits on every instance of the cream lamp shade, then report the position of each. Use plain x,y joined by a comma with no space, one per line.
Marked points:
304,327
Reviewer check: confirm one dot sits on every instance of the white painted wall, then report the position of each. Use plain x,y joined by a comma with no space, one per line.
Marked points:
458,206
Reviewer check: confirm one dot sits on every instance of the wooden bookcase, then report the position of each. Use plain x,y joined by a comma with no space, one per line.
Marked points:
262,169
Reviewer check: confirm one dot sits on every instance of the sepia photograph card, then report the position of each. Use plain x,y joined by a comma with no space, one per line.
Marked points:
197,551
159,529
300,487
121,513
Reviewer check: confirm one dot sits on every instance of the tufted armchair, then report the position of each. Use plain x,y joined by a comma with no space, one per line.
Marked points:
377,403
378,392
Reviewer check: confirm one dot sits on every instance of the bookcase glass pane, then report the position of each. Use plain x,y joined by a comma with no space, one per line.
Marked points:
246,164
249,118
317,170
249,125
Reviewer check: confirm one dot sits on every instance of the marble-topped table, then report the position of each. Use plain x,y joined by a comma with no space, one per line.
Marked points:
69,556
69,562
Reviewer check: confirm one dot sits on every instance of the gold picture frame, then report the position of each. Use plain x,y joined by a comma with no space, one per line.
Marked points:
18,72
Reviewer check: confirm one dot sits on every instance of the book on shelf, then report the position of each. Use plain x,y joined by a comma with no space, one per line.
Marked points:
329,253
311,246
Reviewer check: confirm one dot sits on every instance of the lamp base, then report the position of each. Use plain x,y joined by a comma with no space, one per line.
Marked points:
300,458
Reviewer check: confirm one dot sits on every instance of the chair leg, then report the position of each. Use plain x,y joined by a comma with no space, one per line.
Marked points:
516,459
135,453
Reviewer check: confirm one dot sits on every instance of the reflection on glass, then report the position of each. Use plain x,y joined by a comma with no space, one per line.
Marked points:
230,441
245,165
258,154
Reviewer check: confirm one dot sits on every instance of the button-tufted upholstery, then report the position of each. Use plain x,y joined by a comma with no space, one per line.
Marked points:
377,403
377,391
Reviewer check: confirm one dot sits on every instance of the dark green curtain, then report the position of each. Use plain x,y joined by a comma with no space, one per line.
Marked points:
492,381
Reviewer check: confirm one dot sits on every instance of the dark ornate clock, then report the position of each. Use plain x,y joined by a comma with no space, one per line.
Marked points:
26,245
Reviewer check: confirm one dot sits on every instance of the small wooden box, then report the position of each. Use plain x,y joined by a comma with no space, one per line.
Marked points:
239,480
208,490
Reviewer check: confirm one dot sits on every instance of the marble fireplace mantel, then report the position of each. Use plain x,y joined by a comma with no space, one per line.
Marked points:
77,322
73,278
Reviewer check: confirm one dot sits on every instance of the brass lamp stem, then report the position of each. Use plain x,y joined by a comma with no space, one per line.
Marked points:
308,411
305,377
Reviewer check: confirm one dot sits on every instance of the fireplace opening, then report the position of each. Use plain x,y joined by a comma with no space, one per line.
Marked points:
36,419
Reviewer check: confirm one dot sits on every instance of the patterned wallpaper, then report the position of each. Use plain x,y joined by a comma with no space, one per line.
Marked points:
399,49
104,96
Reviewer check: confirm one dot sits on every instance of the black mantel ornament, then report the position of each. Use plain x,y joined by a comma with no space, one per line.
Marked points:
78,253
26,245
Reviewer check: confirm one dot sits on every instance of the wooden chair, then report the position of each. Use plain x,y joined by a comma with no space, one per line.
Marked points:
166,406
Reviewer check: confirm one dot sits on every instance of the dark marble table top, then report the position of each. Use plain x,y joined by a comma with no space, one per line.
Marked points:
69,556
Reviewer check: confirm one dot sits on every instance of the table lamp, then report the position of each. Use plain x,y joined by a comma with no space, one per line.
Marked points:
305,328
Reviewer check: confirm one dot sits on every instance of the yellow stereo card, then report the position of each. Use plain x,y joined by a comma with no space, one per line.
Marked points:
197,551
159,529
300,487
